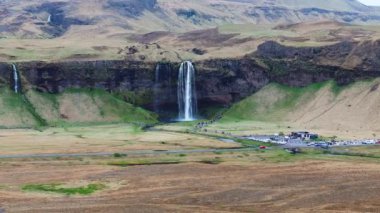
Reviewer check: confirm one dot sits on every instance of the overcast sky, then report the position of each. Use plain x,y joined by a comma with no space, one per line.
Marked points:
371,2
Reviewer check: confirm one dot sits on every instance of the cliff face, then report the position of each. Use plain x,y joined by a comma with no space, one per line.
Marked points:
219,81
349,55
344,62
108,75
226,81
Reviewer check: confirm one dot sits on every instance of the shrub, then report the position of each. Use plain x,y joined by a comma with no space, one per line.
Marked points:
56,188
214,161
119,155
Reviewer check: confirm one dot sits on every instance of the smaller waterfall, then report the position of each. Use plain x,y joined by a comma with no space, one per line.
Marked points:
16,81
49,19
156,89
164,92
187,98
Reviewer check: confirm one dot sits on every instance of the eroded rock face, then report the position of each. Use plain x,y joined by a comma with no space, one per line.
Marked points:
343,62
228,80
108,75
336,53
219,82
349,55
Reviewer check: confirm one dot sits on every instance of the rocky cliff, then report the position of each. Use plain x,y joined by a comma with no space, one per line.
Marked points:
219,81
344,62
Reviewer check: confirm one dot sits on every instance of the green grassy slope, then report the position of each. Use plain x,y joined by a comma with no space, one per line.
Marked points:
14,112
351,111
74,106
272,103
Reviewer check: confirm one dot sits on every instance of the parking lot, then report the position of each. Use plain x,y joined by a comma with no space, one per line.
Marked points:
288,141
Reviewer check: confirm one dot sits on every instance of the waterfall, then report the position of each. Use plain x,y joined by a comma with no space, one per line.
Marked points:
16,87
187,98
49,19
156,89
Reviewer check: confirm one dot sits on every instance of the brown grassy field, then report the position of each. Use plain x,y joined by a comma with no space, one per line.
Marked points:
247,185
252,180
222,41
107,138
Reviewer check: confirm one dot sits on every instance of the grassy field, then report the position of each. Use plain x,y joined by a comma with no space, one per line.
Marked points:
115,138
365,151
343,179
233,181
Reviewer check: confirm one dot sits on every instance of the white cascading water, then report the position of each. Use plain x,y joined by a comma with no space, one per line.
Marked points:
49,19
187,98
156,89
15,79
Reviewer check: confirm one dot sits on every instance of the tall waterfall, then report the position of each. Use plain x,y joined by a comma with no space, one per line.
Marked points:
16,81
49,19
187,98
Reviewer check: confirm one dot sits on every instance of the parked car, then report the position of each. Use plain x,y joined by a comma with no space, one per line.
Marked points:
322,145
368,142
371,142
263,147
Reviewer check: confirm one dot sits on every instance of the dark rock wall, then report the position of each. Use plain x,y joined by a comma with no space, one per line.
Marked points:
352,55
219,82
109,75
344,62
228,80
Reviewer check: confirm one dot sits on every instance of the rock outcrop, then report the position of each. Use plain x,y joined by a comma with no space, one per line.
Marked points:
219,82
344,62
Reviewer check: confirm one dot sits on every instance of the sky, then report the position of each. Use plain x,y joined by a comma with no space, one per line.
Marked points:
371,2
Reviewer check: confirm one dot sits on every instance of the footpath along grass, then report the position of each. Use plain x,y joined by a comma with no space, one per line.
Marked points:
139,162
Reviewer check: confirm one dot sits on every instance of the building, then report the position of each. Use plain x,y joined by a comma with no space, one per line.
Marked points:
303,135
